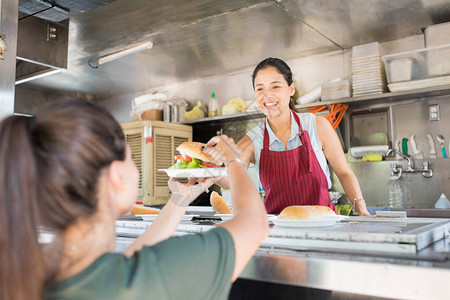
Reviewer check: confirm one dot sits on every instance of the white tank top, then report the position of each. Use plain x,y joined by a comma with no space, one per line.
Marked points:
308,122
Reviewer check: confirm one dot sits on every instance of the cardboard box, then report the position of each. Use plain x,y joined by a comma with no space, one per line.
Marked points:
152,114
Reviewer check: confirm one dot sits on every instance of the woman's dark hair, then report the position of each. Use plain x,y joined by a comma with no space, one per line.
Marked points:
281,67
50,165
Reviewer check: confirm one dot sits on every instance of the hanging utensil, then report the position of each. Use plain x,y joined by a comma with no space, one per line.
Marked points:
397,147
405,146
440,139
432,146
416,152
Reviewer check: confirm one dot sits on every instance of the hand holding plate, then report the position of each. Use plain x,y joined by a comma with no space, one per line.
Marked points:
184,194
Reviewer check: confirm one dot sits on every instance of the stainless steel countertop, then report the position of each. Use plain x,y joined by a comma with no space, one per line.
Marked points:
424,274
426,213
413,277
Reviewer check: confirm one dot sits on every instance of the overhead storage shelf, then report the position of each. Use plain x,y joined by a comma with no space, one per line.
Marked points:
384,99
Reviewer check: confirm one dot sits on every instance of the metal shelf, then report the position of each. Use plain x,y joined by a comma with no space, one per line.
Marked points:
385,98
250,114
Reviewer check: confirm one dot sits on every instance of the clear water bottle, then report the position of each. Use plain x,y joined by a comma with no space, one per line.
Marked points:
396,193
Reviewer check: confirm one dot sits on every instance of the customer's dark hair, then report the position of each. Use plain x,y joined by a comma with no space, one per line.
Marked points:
282,68
50,165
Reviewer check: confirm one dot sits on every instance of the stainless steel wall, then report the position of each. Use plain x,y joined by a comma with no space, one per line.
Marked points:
9,10
421,192
407,119
309,72
28,101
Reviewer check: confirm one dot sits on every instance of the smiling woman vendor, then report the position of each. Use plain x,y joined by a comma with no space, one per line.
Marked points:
290,150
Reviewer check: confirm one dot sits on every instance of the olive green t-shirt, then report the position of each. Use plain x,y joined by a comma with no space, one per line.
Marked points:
197,266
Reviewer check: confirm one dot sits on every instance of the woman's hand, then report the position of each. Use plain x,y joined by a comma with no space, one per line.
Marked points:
183,194
361,208
222,148
165,224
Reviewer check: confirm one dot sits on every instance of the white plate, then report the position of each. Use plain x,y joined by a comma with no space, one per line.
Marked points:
153,217
304,223
335,217
200,172
227,217
224,217
197,209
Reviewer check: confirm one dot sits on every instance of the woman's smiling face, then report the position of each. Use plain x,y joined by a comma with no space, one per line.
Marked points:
272,92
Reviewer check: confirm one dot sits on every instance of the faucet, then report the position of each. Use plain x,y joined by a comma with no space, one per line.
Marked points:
410,166
396,171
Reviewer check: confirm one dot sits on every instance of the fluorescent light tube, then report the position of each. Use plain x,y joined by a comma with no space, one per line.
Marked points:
116,55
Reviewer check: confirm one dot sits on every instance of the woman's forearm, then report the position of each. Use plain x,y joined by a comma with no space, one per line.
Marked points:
249,225
351,186
162,228
224,183
242,187
353,191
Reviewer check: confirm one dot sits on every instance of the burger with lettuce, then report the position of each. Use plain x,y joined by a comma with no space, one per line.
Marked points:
192,157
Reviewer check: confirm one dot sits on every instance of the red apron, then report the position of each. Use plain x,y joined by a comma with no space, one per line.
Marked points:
292,177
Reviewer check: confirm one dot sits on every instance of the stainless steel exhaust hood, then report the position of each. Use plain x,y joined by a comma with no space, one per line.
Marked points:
201,38
42,48
58,10
42,41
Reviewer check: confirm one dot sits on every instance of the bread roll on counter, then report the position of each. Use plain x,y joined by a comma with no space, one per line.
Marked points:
305,212
218,204
140,210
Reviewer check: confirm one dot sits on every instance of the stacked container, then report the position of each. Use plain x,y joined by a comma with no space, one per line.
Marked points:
368,74
336,90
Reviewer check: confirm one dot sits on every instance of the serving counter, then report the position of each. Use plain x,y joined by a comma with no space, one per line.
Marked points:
405,258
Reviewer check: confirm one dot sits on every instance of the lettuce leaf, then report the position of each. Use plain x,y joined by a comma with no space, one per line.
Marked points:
344,209
182,164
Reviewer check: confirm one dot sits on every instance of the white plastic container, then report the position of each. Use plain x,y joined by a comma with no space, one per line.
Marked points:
442,202
336,90
438,60
400,69
437,35
365,51
424,63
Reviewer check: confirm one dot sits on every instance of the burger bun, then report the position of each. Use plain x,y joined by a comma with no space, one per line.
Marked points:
305,212
194,150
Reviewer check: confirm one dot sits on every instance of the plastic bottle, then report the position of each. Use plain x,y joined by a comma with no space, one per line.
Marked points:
213,106
396,193
262,193
442,202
